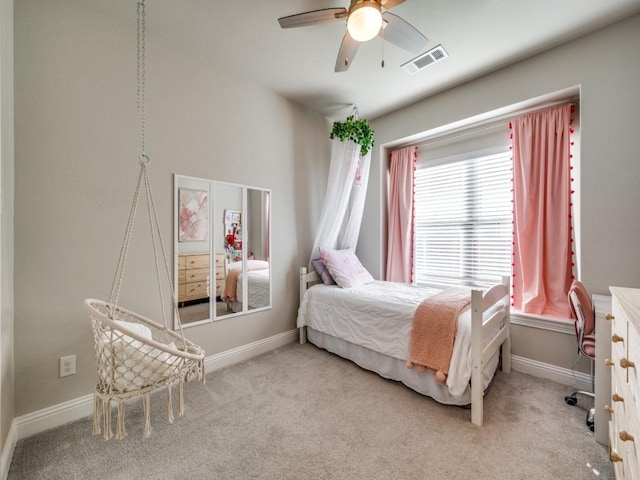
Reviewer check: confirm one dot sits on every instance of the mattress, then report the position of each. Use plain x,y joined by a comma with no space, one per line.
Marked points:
378,317
259,293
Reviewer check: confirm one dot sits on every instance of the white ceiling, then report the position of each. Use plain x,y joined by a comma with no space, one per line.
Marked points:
244,38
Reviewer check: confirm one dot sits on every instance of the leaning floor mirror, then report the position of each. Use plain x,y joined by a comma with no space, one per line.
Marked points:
222,249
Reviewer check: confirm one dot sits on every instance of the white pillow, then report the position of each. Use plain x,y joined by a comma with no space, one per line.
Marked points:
135,363
345,268
137,328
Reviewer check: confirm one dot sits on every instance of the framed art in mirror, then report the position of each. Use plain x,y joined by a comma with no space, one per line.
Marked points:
193,208
192,249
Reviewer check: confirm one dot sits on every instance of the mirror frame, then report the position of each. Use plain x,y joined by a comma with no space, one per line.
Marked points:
216,231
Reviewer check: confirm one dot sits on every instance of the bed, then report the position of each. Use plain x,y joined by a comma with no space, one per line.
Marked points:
258,291
371,326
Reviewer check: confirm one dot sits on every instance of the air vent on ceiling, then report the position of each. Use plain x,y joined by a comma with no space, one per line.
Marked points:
421,61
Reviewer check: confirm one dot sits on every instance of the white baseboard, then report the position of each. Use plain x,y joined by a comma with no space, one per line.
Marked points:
565,376
245,352
7,451
81,407
54,416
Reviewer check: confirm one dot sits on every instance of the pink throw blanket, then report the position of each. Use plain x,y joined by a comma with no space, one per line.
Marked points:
433,331
231,285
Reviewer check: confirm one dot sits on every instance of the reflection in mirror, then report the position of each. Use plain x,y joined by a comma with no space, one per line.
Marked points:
221,249
192,249
258,271
227,243
242,249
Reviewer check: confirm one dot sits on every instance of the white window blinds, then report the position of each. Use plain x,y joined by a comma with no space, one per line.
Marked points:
463,223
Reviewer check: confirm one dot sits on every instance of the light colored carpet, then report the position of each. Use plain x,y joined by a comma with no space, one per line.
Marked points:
302,413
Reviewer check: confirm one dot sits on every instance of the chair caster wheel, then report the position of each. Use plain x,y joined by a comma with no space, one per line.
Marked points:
571,400
591,419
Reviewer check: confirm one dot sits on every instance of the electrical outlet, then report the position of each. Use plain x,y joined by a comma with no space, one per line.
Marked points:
67,365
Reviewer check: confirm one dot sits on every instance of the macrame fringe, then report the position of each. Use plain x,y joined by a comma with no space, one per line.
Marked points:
106,412
146,402
97,414
169,405
121,431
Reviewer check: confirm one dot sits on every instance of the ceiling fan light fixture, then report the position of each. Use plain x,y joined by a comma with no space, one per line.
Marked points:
364,21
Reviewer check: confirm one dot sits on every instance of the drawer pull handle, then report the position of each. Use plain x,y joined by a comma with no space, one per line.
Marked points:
617,398
608,409
609,316
616,338
626,363
626,436
614,457
609,363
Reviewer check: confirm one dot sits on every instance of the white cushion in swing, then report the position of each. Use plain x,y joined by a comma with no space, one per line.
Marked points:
136,364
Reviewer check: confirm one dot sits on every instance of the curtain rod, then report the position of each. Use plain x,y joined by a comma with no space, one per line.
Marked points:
495,122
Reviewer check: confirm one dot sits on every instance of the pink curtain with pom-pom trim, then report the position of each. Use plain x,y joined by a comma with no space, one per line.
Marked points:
542,246
401,215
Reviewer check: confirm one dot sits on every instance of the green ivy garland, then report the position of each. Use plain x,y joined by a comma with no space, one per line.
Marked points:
357,130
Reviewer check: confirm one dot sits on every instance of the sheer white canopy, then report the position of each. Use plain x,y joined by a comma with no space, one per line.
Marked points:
341,216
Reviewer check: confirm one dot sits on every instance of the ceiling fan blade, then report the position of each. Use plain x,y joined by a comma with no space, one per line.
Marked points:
402,33
315,17
389,4
348,50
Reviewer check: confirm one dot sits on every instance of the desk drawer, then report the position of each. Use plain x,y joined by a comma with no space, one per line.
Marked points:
618,352
619,324
197,261
219,274
633,361
617,453
196,290
197,275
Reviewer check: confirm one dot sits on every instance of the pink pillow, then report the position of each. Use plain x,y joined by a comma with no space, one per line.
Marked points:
345,268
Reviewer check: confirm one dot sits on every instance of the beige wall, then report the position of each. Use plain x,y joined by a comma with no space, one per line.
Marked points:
606,66
6,220
77,142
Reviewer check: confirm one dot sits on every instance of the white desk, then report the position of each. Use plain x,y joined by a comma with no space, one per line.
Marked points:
602,304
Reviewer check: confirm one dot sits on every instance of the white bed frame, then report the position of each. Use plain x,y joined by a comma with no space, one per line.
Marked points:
480,354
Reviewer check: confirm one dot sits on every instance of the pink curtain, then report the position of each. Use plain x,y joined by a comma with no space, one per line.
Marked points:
401,215
542,253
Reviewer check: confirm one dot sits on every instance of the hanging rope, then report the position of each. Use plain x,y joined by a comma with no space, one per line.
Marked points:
143,177
142,74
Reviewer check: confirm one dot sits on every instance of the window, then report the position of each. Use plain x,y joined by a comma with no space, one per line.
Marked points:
463,217
464,230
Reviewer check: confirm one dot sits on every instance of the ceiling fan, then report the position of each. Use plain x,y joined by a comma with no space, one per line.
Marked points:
365,19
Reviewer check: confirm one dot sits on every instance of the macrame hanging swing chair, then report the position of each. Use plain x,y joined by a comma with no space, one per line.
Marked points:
136,356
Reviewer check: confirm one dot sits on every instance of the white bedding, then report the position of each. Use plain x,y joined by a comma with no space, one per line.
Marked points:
378,316
259,294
